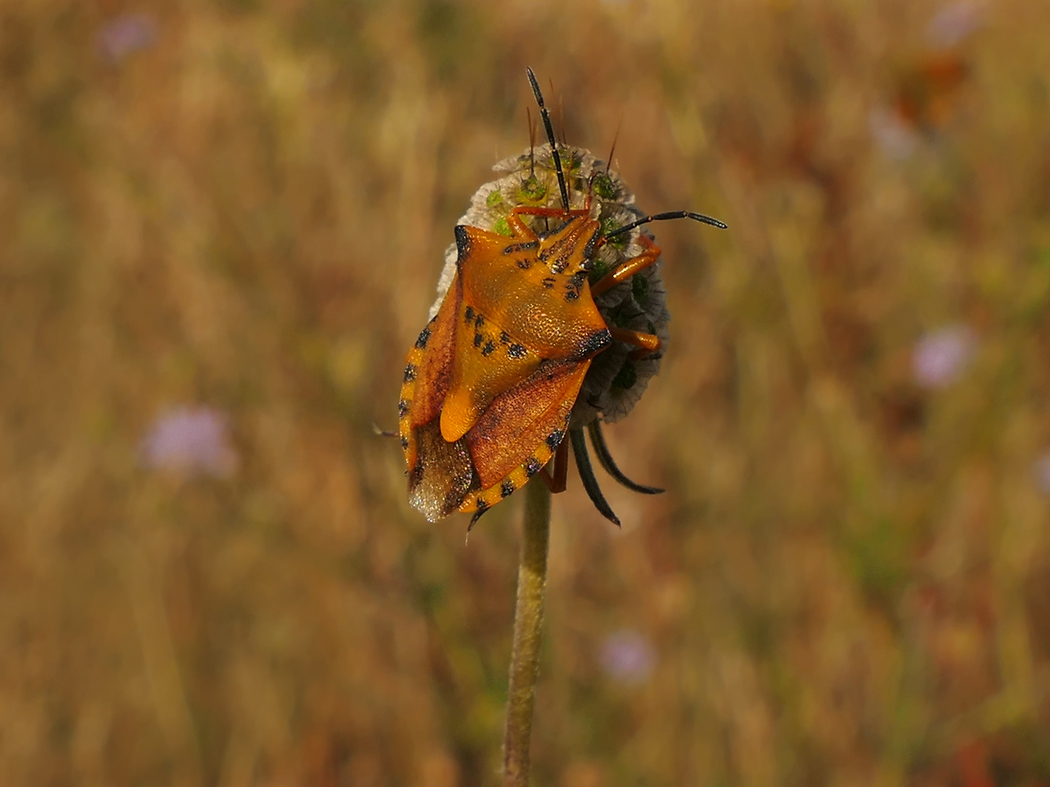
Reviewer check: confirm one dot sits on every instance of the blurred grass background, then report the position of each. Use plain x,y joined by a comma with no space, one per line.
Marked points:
220,228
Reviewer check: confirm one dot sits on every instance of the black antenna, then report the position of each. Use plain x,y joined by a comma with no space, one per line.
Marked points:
532,144
550,136
674,214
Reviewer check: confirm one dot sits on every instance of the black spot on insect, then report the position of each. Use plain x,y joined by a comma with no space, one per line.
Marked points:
404,443
424,337
478,338
592,246
548,282
489,348
417,473
410,372
506,489
554,438
574,285
504,337
516,351
462,243
468,315
532,466
478,322
524,263
402,408
594,344
518,248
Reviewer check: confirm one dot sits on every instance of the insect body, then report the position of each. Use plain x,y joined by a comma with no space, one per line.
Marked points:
551,317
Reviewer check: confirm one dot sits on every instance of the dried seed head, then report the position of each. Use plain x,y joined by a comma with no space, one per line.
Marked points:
615,380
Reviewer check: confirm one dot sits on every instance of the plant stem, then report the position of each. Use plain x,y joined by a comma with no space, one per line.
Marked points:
528,620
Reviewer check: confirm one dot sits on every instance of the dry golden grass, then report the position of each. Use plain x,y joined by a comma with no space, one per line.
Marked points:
848,580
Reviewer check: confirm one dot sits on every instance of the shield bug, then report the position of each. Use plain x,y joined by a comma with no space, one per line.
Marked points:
550,319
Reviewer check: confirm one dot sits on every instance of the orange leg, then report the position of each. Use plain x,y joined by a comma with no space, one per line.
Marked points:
557,481
521,229
647,343
541,211
630,267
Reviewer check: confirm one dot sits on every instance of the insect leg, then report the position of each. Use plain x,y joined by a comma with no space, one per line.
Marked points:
521,229
629,268
557,480
538,210
647,343
601,449
590,483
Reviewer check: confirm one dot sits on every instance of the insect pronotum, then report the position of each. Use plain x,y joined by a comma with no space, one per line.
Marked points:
551,318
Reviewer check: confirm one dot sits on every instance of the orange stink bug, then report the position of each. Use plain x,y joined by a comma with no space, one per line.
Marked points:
550,318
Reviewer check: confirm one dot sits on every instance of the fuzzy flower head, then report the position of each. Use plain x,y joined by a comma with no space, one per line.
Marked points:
940,357
190,441
615,380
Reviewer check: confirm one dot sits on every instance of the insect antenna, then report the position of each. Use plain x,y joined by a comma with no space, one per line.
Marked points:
546,116
674,214
590,483
532,144
612,148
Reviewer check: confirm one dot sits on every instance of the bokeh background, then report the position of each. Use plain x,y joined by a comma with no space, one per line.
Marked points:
220,228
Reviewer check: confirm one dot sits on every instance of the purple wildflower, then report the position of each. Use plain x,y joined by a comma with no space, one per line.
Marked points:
954,23
941,356
627,656
1042,473
125,34
190,441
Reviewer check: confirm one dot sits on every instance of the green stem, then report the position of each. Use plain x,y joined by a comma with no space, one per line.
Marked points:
528,620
